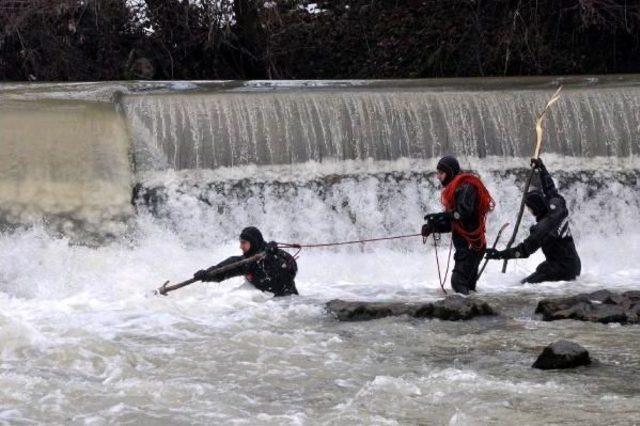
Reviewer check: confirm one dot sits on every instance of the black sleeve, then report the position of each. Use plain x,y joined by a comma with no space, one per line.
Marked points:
234,272
548,186
465,198
465,203
548,227
441,224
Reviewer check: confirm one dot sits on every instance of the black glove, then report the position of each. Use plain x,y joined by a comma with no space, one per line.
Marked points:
427,229
272,247
511,253
201,275
536,163
492,253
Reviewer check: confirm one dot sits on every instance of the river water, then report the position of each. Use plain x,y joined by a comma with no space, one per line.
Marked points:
82,341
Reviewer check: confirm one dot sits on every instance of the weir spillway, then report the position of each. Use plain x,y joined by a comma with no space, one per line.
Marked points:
72,153
383,123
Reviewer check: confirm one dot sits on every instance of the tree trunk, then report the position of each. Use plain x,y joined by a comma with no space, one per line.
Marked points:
248,32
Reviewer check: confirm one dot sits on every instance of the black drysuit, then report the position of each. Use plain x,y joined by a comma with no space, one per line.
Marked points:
274,273
467,260
553,235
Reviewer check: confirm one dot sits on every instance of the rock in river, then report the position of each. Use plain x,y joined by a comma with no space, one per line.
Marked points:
601,306
452,308
562,354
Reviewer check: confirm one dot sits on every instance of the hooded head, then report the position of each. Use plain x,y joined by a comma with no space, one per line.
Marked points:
254,237
537,202
450,167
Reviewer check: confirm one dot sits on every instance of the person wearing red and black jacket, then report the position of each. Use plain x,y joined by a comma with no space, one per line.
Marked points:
551,233
274,273
467,203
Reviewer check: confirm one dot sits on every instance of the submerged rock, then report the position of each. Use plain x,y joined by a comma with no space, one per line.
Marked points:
452,308
562,354
601,306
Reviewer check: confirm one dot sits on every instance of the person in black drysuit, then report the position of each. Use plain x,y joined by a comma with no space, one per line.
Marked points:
467,259
274,273
551,233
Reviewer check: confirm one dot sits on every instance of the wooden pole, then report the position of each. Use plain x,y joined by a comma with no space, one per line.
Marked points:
536,154
164,289
495,244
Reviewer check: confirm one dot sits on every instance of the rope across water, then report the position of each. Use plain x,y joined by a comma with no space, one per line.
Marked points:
370,240
344,243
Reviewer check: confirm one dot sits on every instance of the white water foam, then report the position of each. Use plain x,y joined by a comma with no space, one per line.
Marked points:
81,340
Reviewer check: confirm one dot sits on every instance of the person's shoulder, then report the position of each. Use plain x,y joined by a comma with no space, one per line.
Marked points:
465,187
557,202
284,254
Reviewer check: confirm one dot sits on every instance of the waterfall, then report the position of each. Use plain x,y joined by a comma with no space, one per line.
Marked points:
227,128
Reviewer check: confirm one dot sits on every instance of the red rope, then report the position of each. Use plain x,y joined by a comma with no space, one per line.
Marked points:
477,238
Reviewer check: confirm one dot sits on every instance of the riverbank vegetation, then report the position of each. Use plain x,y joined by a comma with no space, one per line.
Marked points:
76,40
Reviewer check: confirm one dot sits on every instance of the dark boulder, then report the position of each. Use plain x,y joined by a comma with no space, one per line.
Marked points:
364,311
455,308
606,296
562,354
452,308
633,314
548,307
632,295
601,306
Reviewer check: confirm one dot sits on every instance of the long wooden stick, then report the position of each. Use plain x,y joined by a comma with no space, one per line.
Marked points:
164,289
536,154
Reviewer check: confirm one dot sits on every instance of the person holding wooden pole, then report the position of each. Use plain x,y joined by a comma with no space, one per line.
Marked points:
536,155
551,233
264,266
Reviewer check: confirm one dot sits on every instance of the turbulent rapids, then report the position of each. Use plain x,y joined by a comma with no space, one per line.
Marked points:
108,190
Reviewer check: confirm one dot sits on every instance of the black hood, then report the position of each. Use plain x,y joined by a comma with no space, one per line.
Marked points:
254,237
537,202
450,166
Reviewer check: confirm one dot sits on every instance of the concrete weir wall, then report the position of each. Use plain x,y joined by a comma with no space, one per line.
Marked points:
64,161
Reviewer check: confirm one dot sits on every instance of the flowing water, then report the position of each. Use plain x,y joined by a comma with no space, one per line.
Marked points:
82,340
